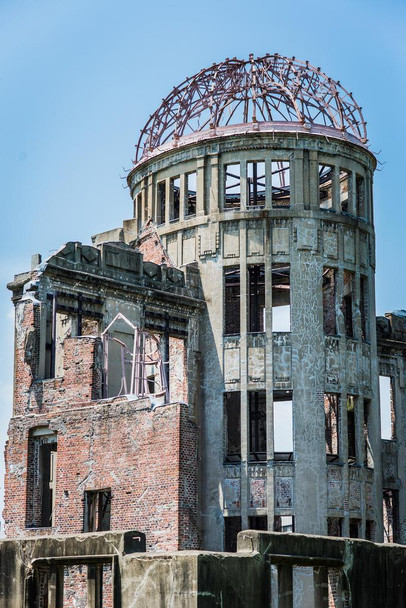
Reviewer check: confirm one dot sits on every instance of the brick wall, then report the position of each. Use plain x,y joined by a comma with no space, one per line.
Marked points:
146,457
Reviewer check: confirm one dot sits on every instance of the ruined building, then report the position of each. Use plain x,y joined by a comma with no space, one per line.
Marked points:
213,365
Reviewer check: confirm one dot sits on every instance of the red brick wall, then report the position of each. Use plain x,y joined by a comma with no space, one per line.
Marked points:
147,458
82,367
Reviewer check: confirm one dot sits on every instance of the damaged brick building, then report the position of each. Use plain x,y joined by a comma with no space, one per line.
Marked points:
213,365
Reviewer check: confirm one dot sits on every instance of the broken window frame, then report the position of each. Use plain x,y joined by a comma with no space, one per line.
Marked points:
329,303
347,303
191,195
232,186
390,502
345,190
326,177
256,183
368,455
256,298
232,292
257,425
232,426
281,289
351,429
97,505
285,397
174,199
139,360
139,211
161,202
280,184
41,477
332,414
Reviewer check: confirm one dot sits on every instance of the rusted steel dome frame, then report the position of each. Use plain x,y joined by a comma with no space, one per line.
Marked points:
265,89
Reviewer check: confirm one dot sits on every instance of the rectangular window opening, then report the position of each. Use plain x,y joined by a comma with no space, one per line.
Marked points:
41,478
347,304
191,189
329,301
281,298
256,301
257,425
97,510
370,530
161,207
332,420
360,195
388,430
175,199
139,211
232,526
232,190
283,426
280,183
364,309
232,301
355,525
232,426
258,522
344,190
368,459
284,523
256,183
334,527
351,429
390,516
326,186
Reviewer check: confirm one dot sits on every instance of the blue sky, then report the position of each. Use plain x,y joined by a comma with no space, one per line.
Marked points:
79,78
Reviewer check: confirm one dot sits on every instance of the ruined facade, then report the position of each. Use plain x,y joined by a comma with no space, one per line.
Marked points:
213,365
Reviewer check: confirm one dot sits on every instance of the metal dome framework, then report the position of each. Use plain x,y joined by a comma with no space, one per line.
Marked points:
266,89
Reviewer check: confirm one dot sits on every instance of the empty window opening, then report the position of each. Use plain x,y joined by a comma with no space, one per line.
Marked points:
360,195
344,190
334,527
388,430
133,362
281,183
232,526
256,301
390,516
355,526
256,183
347,303
332,418
329,301
232,301
280,297
175,199
232,426
41,478
283,426
257,425
139,211
351,429
97,510
232,191
258,522
283,523
364,308
368,459
161,206
191,190
326,186
370,530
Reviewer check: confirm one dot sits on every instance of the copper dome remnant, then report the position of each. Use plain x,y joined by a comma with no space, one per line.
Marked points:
269,89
